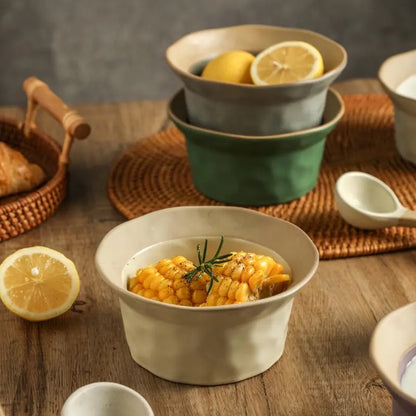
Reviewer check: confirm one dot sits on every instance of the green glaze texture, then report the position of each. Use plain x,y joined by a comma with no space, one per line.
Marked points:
255,170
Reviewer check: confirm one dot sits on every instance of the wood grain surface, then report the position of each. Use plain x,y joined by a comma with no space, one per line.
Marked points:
325,368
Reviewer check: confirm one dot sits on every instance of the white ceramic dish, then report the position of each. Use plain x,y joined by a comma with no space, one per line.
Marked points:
106,399
206,345
393,71
392,345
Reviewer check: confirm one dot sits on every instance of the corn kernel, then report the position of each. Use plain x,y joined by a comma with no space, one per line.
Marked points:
237,271
247,273
224,286
137,287
242,293
166,292
148,280
232,289
164,284
149,293
185,302
147,271
183,293
171,299
256,280
227,269
178,283
199,296
212,299
221,300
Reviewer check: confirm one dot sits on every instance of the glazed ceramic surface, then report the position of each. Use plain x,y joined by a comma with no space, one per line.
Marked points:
106,399
393,344
204,345
252,170
392,73
250,109
366,202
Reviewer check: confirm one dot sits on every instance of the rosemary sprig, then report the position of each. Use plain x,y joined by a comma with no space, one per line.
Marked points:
205,266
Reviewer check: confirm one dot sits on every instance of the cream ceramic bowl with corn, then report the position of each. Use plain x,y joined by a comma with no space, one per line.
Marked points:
205,345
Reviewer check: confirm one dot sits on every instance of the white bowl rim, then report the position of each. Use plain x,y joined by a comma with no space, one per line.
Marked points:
288,293
380,76
288,136
326,75
392,386
97,384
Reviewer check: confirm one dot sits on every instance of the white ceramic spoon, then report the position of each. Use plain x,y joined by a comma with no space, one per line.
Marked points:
365,201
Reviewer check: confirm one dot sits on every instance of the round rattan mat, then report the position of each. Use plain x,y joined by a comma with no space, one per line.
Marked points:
154,173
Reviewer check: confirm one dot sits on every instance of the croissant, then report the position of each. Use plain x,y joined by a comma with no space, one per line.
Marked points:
16,173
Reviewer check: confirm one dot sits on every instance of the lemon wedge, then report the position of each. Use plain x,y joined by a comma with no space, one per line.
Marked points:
287,62
38,283
232,66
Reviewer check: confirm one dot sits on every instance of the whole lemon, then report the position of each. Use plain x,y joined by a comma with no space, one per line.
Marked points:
232,66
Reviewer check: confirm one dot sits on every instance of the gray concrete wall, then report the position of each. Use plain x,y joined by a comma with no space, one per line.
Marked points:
100,50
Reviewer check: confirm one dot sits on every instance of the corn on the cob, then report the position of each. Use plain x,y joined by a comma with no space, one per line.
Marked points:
243,277
246,277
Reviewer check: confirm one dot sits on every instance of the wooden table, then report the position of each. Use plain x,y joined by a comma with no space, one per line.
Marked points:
325,369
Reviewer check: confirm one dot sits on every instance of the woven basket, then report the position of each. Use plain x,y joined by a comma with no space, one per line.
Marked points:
22,212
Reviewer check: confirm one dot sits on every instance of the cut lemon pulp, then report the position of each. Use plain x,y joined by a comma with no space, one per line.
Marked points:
38,283
287,62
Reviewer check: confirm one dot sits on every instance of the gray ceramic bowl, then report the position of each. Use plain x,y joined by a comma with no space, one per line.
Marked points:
251,109
255,170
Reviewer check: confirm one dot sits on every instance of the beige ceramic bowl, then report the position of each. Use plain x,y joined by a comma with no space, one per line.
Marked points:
250,109
393,344
392,73
205,345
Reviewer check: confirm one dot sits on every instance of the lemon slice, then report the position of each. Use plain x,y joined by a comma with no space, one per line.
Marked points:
287,62
38,283
232,66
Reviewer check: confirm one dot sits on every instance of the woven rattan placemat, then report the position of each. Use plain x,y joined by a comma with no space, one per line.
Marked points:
154,173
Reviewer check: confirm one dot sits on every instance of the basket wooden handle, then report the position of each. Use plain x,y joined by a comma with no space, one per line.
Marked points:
39,93
72,122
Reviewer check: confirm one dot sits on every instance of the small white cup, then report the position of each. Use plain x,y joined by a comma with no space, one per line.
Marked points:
106,399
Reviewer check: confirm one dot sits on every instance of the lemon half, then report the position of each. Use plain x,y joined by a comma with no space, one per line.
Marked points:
287,62
38,283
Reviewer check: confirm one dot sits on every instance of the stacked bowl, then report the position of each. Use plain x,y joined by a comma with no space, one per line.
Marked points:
253,144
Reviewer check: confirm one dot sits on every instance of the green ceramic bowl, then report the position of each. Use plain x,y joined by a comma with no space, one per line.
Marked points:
255,170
